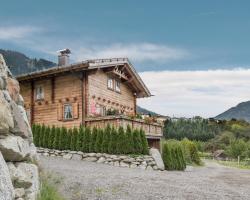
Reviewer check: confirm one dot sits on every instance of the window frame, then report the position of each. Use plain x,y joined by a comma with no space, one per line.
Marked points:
108,85
119,83
64,112
41,93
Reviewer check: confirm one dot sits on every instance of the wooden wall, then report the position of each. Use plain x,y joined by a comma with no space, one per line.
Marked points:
67,89
99,93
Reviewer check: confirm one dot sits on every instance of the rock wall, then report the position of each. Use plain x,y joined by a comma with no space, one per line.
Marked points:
141,161
19,177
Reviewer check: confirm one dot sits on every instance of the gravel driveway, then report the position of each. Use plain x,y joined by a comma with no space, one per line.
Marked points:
86,180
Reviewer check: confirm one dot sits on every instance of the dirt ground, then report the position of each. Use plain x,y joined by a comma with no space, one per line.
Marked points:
86,180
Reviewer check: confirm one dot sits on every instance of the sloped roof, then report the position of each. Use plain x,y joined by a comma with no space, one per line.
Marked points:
141,88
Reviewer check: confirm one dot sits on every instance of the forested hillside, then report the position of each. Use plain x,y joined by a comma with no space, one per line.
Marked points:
20,63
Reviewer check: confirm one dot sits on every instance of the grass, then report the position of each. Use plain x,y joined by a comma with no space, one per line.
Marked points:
48,190
242,165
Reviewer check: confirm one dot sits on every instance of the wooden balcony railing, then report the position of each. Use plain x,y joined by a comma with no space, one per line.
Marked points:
151,129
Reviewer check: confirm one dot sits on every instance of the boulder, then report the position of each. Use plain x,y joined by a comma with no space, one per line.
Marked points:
6,119
157,157
67,156
123,164
14,148
13,88
21,123
116,163
101,160
31,172
90,159
3,83
19,193
76,157
6,187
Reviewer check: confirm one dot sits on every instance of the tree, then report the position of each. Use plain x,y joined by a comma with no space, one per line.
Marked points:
130,141
46,137
99,140
74,137
64,139
237,148
106,139
120,144
69,136
93,140
112,148
80,139
144,143
51,137
57,138
87,140
37,134
137,141
41,134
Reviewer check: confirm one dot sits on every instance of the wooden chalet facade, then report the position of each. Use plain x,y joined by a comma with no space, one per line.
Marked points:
90,93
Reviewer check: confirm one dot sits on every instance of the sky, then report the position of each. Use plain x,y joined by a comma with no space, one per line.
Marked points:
193,55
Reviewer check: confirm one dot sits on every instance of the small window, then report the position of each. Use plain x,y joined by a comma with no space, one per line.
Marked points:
117,86
39,93
68,112
110,83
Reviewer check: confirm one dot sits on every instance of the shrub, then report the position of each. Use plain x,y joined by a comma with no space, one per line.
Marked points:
190,152
144,143
74,137
112,149
99,140
137,141
80,139
87,140
121,143
46,137
69,136
106,139
130,140
172,155
37,134
93,140
41,134
51,137
57,138
63,139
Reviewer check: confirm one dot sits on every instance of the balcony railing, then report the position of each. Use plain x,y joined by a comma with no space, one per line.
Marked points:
151,129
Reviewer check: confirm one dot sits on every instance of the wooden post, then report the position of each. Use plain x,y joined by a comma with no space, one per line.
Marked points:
32,103
53,89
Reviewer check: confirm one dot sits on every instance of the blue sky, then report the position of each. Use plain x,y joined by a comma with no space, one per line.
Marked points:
158,36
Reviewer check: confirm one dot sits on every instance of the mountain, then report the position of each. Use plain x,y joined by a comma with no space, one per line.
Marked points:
20,63
241,111
141,110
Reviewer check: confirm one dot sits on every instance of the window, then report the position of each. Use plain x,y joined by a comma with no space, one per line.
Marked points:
39,93
117,86
110,83
68,112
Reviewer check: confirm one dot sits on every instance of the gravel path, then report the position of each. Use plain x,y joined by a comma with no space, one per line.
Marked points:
86,180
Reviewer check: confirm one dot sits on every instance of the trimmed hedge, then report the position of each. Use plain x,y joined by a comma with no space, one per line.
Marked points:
173,156
107,140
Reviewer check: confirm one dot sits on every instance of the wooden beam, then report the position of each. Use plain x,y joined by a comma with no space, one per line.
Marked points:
53,89
32,103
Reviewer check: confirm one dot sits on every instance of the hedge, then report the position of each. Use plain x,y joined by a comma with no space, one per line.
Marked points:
173,156
108,140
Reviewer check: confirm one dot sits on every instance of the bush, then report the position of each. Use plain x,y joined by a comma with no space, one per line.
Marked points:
112,149
130,141
51,137
93,140
137,141
190,152
173,156
80,137
41,134
86,140
73,141
57,138
63,139
99,141
144,142
106,139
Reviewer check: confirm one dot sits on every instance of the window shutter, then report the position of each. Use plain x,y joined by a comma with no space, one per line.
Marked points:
75,110
59,112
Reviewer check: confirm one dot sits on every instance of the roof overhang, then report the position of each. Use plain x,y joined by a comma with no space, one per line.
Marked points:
135,81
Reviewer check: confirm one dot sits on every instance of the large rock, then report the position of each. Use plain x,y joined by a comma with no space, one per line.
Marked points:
157,157
21,124
6,188
14,148
6,119
13,88
31,172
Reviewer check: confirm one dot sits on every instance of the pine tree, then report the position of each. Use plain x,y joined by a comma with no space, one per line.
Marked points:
112,149
46,137
129,135
79,142
41,134
74,137
34,133
51,137
57,138
144,143
120,145
69,136
37,135
99,141
86,140
137,142
106,139
93,140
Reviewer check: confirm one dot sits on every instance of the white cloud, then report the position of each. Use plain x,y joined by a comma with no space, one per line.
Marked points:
190,93
16,32
137,52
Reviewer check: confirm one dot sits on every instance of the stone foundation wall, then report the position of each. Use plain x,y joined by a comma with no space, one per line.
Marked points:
19,178
145,162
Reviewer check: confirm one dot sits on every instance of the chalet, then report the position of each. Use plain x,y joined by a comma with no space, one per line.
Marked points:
90,93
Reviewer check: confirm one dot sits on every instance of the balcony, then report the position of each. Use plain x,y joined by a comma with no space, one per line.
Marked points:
152,130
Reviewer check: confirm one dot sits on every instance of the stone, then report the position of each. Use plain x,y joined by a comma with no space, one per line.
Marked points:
20,101
45,154
76,157
33,154
90,159
21,124
98,155
111,163
149,168
117,163
142,166
6,187
6,119
101,160
157,158
73,152
155,167
129,160
31,172
13,88
123,157
123,164
80,153
133,165
14,148
19,192
91,154
67,156
3,83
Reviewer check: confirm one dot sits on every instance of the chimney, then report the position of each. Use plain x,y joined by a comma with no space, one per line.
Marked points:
63,57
